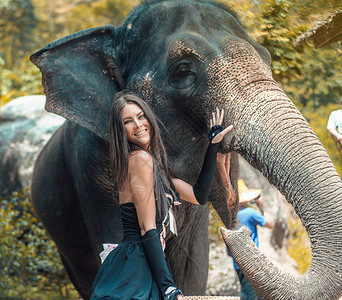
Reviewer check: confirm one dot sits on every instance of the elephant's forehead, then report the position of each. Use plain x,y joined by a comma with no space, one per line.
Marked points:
236,57
177,28
233,69
180,48
165,17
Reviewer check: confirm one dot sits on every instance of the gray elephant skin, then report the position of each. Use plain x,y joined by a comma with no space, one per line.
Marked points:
185,58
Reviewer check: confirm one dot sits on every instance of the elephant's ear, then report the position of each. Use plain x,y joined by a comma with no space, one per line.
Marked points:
81,77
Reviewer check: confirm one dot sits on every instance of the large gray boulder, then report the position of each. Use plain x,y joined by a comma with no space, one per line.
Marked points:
25,127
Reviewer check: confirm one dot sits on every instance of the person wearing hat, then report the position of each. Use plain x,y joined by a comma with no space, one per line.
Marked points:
250,218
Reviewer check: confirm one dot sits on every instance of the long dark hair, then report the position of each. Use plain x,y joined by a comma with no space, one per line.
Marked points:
121,147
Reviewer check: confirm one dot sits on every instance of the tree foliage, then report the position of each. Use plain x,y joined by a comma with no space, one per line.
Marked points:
17,24
320,82
99,13
298,243
29,263
21,81
273,31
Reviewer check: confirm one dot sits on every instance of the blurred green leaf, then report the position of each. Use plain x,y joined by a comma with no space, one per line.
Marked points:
30,266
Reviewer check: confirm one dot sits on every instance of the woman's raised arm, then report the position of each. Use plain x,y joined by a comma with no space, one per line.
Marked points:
198,194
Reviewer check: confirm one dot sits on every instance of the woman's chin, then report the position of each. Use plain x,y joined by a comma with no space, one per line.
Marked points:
144,144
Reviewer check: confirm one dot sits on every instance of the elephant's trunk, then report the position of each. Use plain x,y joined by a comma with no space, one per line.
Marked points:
278,141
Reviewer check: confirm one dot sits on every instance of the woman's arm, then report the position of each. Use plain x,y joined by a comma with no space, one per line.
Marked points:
185,190
199,193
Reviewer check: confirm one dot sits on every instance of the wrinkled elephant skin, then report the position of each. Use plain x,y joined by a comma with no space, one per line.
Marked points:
185,59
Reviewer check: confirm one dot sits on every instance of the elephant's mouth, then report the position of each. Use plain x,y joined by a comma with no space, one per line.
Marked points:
223,166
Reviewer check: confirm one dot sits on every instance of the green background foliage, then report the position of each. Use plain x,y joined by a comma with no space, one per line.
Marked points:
299,243
17,24
30,267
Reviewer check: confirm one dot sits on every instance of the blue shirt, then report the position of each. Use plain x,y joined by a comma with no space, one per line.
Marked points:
250,218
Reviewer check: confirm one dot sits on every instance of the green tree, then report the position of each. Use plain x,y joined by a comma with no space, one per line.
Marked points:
308,11
275,33
30,266
53,21
17,24
321,77
23,80
100,13
318,119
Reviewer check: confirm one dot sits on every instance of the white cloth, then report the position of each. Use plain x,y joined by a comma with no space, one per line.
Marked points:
107,248
335,120
170,221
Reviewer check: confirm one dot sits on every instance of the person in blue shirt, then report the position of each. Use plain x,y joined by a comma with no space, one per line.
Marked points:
250,218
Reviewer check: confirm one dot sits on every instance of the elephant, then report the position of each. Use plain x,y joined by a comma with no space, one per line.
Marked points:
184,58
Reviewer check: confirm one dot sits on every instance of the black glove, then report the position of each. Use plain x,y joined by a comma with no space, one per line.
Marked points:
214,131
160,270
205,179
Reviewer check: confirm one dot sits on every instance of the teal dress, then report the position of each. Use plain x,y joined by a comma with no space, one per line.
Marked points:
125,273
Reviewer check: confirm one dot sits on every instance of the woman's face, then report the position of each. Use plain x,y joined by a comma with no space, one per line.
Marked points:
137,126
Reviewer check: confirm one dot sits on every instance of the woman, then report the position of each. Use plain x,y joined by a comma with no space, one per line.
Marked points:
137,268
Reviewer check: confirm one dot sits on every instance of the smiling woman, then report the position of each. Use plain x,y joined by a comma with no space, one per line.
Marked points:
137,126
147,192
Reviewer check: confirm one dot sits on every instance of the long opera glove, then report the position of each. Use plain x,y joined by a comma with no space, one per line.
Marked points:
160,270
205,179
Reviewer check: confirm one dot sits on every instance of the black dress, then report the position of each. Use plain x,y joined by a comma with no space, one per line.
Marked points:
125,273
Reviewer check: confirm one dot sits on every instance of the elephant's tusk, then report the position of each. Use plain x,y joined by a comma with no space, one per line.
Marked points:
223,165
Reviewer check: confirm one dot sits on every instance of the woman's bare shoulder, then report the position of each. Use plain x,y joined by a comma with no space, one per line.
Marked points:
139,159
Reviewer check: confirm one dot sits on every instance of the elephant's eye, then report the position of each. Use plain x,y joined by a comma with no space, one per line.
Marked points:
183,69
182,76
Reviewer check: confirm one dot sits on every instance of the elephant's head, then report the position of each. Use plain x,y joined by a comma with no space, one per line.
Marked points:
185,58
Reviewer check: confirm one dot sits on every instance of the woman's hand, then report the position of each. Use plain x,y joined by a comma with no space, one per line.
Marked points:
217,119
172,293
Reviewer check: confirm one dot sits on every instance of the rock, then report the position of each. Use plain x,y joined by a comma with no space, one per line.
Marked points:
25,127
222,278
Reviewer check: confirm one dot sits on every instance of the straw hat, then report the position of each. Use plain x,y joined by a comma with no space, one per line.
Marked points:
246,194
